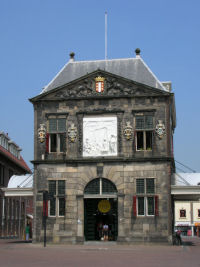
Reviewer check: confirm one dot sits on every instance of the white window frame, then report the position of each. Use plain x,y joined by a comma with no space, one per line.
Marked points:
146,195
57,145
57,199
145,206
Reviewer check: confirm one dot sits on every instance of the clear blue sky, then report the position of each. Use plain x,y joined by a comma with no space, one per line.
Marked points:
38,35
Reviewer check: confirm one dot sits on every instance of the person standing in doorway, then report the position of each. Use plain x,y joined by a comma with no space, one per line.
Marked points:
105,232
27,231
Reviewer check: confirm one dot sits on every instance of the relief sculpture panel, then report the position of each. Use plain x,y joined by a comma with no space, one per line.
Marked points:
99,136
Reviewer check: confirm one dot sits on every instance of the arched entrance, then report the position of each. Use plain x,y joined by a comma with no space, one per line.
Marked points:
100,207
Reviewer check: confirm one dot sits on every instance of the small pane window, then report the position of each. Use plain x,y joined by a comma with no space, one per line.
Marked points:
93,187
52,207
52,125
140,186
150,186
61,187
61,125
182,213
148,140
148,122
53,142
61,206
108,187
140,122
52,187
62,142
140,205
150,205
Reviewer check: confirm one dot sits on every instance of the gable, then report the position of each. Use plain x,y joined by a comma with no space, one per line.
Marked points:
113,86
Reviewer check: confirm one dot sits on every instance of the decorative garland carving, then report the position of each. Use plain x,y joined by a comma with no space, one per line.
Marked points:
72,133
80,133
111,87
128,131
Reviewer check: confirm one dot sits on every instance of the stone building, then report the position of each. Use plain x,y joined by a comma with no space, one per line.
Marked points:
103,148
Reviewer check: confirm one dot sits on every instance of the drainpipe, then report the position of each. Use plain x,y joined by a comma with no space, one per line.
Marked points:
19,216
3,214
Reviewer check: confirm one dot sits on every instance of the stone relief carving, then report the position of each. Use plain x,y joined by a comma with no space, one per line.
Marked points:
128,131
72,133
111,87
99,136
160,129
42,133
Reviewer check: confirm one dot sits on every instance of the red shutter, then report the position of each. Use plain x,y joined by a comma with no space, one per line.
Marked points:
47,143
156,206
134,206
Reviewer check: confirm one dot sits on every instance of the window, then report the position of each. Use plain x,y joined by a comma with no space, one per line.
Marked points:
57,202
198,212
57,134
182,213
146,200
2,173
144,132
100,186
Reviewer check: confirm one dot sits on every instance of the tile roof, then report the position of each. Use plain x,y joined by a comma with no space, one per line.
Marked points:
134,69
20,162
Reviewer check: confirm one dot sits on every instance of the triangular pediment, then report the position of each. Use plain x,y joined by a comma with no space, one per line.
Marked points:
99,84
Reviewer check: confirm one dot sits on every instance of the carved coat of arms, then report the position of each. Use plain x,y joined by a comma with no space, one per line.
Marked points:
42,133
72,133
99,84
128,130
160,129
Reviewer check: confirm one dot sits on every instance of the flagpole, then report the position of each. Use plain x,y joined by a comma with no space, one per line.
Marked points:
106,35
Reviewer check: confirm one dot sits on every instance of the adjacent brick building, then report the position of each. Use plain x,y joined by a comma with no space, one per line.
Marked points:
103,148
11,163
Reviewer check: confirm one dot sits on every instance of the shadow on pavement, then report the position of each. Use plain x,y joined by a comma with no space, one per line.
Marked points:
20,242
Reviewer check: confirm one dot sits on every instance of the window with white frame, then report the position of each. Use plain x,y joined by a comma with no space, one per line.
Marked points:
144,132
57,201
57,134
145,189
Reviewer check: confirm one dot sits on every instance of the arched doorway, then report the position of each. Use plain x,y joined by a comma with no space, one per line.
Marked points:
100,207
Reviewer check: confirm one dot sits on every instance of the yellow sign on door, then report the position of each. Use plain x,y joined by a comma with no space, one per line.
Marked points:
104,206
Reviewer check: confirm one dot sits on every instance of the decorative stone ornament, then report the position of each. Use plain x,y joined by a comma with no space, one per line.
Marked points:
160,129
128,130
72,133
42,133
99,84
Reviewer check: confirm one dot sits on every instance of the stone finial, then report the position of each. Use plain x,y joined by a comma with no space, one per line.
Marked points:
137,51
72,54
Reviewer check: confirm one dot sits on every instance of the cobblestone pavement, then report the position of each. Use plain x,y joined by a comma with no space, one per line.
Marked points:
17,253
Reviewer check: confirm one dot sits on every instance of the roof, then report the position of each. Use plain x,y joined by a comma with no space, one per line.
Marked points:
21,181
134,69
20,162
186,179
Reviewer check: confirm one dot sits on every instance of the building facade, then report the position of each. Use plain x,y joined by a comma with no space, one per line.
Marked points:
185,191
103,149
11,163
18,206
